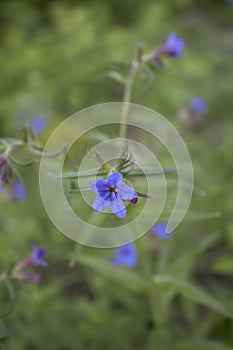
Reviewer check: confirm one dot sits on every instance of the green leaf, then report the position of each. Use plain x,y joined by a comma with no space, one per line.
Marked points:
115,76
122,275
5,335
134,172
12,299
199,216
192,292
22,164
224,265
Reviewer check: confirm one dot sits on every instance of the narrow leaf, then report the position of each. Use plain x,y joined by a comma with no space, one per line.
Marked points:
192,292
122,275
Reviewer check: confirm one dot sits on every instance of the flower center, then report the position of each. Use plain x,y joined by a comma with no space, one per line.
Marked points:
112,189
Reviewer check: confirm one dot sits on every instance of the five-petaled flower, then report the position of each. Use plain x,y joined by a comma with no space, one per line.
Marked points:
126,255
160,231
37,256
112,192
198,105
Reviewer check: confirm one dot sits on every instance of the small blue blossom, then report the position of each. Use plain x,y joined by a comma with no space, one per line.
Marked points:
18,191
112,192
38,123
1,188
160,231
36,258
173,46
198,105
126,255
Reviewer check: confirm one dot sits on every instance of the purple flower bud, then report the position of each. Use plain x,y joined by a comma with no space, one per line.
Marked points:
18,191
38,123
31,277
5,171
198,105
126,255
36,258
160,231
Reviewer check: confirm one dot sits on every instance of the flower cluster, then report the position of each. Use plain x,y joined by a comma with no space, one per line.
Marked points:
112,192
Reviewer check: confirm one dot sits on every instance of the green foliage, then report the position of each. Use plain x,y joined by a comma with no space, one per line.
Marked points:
54,59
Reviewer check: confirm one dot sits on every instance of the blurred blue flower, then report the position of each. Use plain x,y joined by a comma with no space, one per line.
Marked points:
126,255
159,230
38,123
112,192
36,258
1,188
174,46
18,191
198,105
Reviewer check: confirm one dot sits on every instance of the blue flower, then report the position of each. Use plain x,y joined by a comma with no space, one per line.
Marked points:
173,46
126,255
160,231
1,188
112,192
38,123
198,105
36,258
18,191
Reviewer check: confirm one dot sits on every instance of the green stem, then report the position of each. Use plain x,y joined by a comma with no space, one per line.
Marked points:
127,97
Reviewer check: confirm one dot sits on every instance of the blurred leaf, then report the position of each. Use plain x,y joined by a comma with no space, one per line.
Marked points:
122,275
192,292
135,172
115,76
224,265
11,293
5,335
199,216
194,344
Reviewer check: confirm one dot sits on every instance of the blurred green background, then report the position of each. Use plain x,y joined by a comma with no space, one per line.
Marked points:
53,57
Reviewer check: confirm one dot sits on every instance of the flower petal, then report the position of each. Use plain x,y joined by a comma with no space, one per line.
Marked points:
93,186
160,231
114,179
100,204
118,208
101,185
126,193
